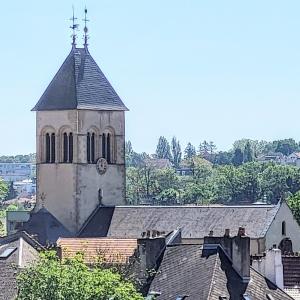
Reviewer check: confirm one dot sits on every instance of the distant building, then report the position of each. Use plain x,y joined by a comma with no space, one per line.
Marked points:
17,171
25,188
158,163
276,157
294,159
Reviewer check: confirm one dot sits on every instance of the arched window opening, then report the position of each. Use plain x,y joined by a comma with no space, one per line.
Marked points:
88,148
93,148
65,148
47,148
104,145
283,228
52,148
70,147
108,148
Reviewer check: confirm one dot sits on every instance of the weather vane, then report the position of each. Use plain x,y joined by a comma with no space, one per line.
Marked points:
86,37
74,27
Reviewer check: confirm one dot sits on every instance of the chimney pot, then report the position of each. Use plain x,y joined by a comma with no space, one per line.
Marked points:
211,233
227,232
241,231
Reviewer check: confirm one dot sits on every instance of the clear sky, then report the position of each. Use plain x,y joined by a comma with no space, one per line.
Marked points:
197,69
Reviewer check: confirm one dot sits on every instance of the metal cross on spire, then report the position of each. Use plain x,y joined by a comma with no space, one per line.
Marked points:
86,36
74,27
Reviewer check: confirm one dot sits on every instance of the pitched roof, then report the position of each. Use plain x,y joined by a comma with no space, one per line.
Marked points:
95,249
79,84
195,221
45,227
186,271
23,252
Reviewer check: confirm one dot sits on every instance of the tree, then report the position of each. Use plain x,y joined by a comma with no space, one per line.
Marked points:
70,279
189,152
176,152
3,189
163,148
286,147
238,157
248,153
12,193
294,204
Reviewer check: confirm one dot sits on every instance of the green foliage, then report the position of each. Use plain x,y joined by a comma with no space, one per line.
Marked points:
12,193
248,153
238,157
3,189
176,152
29,158
189,152
71,279
294,204
227,184
163,149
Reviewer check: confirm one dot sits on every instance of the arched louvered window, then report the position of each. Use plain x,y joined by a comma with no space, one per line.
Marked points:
108,148
47,148
91,147
52,160
88,147
70,147
67,147
104,145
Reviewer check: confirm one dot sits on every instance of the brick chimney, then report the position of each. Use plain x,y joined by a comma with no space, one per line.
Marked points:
237,249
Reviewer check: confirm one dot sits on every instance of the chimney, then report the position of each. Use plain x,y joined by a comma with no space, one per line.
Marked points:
237,249
271,266
241,254
149,250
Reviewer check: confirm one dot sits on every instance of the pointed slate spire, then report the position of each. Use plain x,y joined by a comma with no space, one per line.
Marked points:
80,84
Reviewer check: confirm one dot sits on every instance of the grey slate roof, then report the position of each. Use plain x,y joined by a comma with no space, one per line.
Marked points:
186,270
79,84
195,221
45,227
21,257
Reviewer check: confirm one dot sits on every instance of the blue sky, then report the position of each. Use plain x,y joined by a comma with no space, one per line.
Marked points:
214,70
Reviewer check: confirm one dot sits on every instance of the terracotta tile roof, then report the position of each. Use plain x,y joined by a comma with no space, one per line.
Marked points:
291,270
95,249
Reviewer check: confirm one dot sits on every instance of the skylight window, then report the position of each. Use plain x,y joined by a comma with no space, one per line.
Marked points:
7,252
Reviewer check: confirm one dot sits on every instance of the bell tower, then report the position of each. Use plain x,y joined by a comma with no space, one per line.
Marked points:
80,138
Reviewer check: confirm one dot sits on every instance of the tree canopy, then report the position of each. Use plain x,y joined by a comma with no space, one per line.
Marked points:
71,279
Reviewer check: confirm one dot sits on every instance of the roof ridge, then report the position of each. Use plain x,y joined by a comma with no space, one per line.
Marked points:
213,275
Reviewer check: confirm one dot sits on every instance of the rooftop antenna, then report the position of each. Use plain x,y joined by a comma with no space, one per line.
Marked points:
86,37
74,27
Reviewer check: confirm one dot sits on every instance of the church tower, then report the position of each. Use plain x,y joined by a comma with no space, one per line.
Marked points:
80,138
